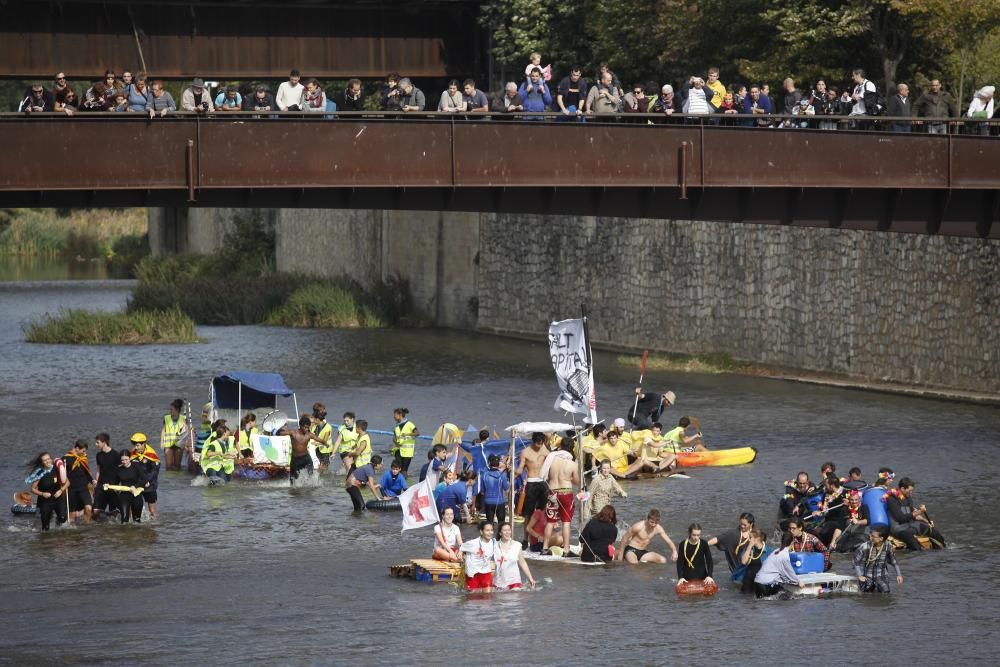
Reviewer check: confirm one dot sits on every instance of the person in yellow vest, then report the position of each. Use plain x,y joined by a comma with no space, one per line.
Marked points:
347,442
404,438
244,437
323,431
218,455
677,441
174,425
362,454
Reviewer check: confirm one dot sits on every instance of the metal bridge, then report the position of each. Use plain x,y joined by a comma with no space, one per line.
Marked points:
880,181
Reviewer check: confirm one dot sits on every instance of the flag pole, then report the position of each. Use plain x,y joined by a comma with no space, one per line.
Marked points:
511,466
591,413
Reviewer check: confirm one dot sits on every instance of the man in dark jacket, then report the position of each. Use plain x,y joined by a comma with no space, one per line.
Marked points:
37,99
792,96
936,103
352,99
260,100
507,102
899,105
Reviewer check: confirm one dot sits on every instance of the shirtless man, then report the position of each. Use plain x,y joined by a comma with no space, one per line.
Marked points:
300,447
563,475
633,545
535,490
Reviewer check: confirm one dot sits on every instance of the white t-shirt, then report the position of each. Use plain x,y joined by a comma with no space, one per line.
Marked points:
865,86
508,572
287,95
450,534
480,556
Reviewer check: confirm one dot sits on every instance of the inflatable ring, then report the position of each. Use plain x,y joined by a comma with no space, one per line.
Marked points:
696,587
390,505
23,509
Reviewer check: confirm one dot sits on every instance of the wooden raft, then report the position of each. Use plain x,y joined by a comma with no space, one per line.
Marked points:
426,570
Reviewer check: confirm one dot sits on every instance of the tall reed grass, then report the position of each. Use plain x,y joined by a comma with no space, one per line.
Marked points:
141,327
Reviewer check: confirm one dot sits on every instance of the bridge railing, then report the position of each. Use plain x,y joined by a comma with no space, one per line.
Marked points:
863,123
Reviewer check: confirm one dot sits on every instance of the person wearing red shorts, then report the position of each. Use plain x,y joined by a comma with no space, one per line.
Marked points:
563,475
479,555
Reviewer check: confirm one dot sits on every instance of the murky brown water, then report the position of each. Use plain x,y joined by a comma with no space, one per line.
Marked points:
255,574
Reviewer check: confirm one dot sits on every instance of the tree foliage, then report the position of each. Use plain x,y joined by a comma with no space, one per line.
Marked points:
755,40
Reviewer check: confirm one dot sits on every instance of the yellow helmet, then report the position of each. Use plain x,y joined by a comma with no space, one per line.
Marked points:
138,438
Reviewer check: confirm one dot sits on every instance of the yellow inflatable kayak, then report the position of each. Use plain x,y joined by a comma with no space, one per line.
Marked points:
717,457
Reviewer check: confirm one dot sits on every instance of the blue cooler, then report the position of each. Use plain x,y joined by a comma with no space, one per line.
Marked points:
806,563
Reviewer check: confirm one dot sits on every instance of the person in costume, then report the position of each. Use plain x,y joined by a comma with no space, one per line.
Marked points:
145,457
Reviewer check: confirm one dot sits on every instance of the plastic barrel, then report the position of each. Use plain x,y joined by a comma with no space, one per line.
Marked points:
390,505
872,499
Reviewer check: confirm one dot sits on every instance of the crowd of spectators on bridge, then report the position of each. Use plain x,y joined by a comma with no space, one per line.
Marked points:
857,104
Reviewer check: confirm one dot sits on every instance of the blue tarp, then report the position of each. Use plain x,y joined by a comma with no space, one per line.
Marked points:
259,389
481,452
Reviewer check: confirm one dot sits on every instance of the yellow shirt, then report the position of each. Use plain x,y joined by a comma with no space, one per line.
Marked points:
674,439
617,455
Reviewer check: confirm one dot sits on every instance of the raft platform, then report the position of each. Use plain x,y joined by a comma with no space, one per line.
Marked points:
426,570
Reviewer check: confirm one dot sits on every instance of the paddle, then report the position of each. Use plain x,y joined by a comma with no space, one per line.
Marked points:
120,487
638,391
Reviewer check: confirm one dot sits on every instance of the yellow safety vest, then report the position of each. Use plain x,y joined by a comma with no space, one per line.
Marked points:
405,440
213,455
348,440
323,431
172,430
246,441
365,457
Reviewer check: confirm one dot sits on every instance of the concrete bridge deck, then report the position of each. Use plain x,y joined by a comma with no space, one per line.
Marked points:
932,184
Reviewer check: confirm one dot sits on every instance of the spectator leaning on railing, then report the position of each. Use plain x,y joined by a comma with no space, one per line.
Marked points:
938,104
161,102
229,100
509,101
475,99
535,93
982,107
411,98
196,98
603,98
352,99
900,105
260,100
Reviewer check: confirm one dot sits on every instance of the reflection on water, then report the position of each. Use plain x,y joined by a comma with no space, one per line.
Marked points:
254,573
35,267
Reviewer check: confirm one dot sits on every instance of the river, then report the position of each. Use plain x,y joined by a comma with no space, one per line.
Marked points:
255,574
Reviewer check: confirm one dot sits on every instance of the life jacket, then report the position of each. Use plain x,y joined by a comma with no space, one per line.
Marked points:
172,430
365,457
323,431
405,440
348,439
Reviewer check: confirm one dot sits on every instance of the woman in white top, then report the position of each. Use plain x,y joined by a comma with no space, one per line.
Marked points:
451,99
510,557
982,107
447,538
480,554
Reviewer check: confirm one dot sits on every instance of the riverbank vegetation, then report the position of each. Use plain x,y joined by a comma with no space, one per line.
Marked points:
711,362
115,236
139,327
239,285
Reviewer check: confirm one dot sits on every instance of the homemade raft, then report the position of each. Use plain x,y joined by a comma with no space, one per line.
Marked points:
819,584
427,570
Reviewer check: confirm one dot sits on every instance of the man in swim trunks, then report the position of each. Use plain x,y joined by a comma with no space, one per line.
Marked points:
300,447
563,475
535,490
637,538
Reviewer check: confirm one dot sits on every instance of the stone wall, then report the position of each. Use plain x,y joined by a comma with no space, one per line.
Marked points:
900,307
874,306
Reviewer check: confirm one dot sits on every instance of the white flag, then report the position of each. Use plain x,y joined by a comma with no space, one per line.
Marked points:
418,506
569,349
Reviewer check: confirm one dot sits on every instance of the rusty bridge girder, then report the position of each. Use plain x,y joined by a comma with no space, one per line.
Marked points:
878,181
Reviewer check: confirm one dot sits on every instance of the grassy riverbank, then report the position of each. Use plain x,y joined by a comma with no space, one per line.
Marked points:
210,291
712,362
116,236
140,327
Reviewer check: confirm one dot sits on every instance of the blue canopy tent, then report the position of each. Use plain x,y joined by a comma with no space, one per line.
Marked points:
234,389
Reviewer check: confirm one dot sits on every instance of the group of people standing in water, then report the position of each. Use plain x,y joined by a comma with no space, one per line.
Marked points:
123,482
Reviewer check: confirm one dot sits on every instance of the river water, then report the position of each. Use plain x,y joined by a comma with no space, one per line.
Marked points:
255,574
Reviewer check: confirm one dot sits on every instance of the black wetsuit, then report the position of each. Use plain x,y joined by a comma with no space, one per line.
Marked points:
752,568
129,504
79,481
854,534
835,519
595,539
794,498
648,411
694,561
903,526
49,483
107,473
